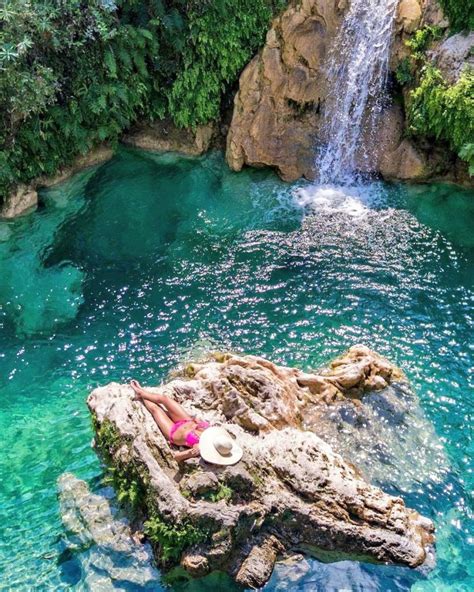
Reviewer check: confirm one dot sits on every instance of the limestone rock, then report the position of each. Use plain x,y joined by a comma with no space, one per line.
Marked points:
164,136
409,15
98,155
432,14
454,55
290,491
405,163
276,110
22,200
25,197
102,542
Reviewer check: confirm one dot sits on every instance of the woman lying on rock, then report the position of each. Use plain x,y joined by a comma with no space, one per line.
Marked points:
213,444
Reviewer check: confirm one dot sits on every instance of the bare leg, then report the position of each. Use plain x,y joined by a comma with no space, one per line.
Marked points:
162,420
174,409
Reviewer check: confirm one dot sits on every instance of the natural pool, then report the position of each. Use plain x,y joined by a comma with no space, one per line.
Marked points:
126,270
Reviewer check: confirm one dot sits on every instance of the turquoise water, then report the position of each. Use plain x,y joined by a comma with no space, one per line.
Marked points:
127,270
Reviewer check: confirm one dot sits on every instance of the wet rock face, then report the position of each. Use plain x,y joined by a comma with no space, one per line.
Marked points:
290,491
276,110
101,541
276,115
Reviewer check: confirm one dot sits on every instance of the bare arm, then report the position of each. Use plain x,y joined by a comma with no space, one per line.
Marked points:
186,454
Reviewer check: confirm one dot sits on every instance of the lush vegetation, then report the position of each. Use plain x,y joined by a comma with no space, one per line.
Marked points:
76,73
443,111
436,109
460,13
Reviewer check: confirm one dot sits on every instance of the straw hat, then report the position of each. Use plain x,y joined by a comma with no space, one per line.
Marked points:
217,446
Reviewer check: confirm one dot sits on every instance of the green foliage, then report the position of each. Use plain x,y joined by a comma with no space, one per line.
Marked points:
106,435
460,13
421,39
404,72
71,77
467,154
74,74
222,39
444,111
223,492
173,539
127,485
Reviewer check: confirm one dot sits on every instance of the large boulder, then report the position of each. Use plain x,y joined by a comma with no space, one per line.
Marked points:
291,491
276,110
454,56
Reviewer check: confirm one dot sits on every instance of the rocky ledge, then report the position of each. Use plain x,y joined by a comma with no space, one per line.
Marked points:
291,491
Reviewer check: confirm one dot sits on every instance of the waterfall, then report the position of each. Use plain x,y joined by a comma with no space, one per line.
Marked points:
357,75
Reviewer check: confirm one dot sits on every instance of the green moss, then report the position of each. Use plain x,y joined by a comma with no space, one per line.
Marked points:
107,436
223,492
173,538
125,479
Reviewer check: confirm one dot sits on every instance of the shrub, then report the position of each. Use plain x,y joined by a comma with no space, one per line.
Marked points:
460,13
442,111
76,73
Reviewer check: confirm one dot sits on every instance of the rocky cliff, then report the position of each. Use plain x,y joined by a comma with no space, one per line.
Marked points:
291,491
282,91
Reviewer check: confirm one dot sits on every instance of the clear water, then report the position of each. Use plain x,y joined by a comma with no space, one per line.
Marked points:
357,69
127,270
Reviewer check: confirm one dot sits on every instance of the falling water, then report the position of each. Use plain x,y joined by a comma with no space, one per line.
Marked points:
357,76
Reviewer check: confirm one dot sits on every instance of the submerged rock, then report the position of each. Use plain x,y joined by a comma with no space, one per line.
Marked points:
291,491
101,542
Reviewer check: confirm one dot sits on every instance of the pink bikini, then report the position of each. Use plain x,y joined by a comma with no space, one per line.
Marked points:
192,438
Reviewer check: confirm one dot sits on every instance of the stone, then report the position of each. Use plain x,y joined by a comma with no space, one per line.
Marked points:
199,483
409,15
406,163
276,109
164,136
454,55
103,542
432,14
22,200
292,490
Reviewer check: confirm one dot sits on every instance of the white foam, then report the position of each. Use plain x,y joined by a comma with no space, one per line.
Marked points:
356,201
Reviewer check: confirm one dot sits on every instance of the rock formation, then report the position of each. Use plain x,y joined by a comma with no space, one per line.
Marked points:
25,197
101,541
454,55
276,110
291,491
164,136
276,118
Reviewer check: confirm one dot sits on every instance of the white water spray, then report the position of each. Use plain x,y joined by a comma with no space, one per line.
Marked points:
357,75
